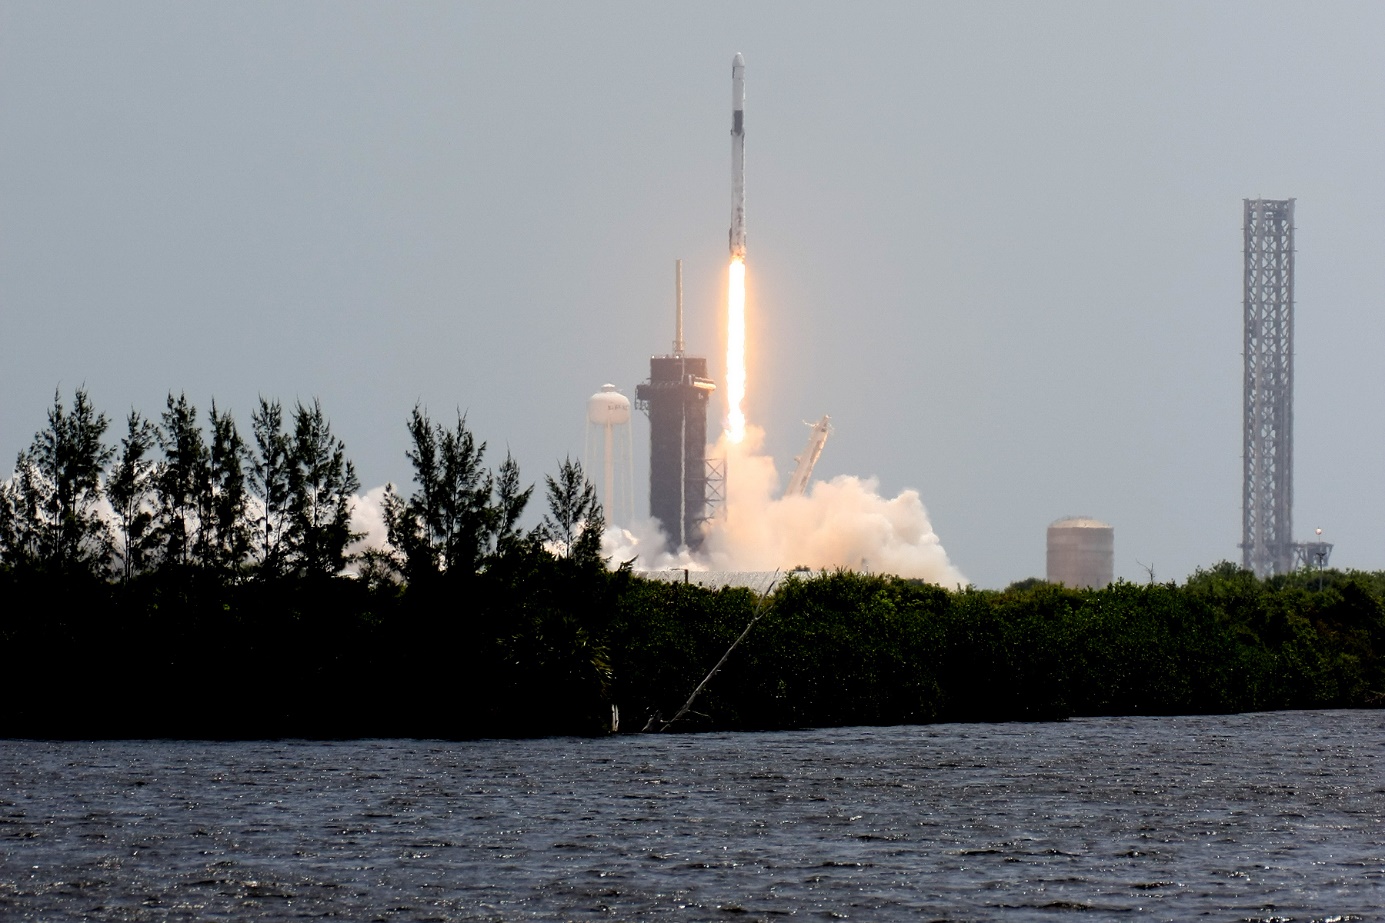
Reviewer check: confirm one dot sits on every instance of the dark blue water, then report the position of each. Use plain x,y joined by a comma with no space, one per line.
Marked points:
1252,817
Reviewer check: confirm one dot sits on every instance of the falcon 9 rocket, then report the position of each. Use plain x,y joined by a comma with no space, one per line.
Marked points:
738,157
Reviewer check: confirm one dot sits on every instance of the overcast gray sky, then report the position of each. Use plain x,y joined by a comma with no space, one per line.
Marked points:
999,243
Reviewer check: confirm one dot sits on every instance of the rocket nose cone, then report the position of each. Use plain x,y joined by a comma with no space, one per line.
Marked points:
738,61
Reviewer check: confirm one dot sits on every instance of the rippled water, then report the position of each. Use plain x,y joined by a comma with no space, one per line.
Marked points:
1250,817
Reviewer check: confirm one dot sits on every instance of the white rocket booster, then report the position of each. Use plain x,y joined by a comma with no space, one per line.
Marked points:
737,235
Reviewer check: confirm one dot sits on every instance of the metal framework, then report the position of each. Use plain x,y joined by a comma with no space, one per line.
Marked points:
1313,554
1268,488
716,488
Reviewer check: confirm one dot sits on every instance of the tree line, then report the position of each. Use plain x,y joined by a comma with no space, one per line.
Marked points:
843,648
190,582
171,495
208,570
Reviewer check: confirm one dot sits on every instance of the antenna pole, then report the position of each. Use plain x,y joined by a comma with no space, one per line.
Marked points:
678,328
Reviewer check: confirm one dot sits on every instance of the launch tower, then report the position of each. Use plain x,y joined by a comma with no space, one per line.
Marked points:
675,399
1268,488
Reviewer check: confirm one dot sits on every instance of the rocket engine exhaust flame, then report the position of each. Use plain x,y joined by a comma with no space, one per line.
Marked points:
735,351
735,286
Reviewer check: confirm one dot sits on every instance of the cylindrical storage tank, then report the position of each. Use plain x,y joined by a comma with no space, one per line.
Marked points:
1081,552
609,459
608,407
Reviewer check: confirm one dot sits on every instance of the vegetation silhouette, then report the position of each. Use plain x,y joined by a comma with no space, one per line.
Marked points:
191,583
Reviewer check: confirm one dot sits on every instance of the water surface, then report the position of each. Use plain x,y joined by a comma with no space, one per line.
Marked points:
1272,817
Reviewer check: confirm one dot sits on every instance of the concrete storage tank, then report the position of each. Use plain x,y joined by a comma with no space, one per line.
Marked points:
1081,552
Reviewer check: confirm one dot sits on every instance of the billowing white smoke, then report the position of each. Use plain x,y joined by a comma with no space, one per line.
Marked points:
368,519
841,523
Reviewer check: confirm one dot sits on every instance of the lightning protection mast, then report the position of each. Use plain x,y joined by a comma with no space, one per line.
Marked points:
1268,488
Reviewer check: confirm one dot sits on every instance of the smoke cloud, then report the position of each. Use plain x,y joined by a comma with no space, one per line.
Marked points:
368,520
841,523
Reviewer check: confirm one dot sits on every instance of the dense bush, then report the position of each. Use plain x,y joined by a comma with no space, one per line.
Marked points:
852,649
540,644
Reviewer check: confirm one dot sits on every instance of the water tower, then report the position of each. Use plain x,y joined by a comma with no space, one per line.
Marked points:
609,452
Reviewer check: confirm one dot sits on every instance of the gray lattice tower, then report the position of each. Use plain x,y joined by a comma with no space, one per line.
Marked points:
1268,489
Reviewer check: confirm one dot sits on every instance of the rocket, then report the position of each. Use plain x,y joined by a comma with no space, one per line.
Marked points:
737,235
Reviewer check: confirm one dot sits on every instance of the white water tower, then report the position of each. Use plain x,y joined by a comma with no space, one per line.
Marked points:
609,455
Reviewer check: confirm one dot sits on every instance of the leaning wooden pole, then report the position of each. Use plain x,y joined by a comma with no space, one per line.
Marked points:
762,609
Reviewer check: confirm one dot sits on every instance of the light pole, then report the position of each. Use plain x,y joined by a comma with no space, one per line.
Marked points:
1320,552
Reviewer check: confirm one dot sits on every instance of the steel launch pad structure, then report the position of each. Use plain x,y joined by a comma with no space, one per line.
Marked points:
675,399
1268,441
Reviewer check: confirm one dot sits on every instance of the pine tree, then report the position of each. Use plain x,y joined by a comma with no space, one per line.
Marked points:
131,494
510,501
269,485
182,484
460,513
49,510
410,525
321,486
465,514
228,526
574,522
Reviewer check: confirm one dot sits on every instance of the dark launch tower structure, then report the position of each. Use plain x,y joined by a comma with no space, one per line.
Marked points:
675,398
1268,487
